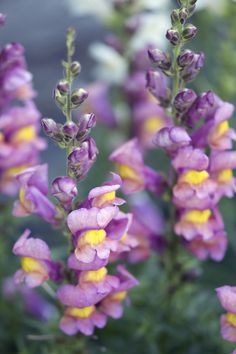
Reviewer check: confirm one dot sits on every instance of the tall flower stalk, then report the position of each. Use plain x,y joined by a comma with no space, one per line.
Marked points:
97,230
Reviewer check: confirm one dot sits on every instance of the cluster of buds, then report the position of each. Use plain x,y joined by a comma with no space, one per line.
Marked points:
20,143
73,136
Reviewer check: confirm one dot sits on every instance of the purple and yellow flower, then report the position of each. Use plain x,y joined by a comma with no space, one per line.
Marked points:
213,248
105,195
92,287
227,297
20,144
194,223
82,320
33,194
135,175
194,190
15,80
37,265
96,231
112,305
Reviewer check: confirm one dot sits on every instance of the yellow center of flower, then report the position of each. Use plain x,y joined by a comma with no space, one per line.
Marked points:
153,124
222,128
194,177
231,318
31,265
92,237
127,172
101,200
95,275
1,137
14,170
24,134
81,313
22,195
197,216
121,295
124,237
225,176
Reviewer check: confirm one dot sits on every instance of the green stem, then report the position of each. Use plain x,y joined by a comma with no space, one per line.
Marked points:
176,77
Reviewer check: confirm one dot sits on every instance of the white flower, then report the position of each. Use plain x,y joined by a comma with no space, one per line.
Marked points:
111,66
152,31
99,8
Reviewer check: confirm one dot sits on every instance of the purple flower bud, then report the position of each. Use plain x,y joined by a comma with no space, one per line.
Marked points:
189,31
78,97
2,19
185,58
173,36
70,129
75,68
82,158
160,58
200,108
64,190
190,71
86,122
63,87
49,126
156,83
184,99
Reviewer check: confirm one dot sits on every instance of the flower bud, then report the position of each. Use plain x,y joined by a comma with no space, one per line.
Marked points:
173,36
185,58
189,31
78,97
183,15
87,121
156,83
49,126
189,72
192,2
184,99
82,158
174,17
160,58
75,68
70,129
64,190
63,87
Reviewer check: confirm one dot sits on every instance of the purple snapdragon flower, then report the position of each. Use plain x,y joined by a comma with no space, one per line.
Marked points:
33,194
37,265
227,297
135,175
